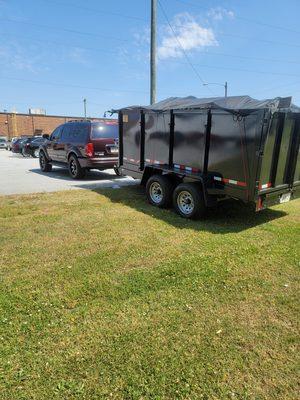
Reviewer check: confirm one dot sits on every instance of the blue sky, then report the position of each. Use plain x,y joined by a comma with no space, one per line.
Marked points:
55,53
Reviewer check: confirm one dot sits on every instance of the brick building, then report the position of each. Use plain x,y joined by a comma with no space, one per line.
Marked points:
12,124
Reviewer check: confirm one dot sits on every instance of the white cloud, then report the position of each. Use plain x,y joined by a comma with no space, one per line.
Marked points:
220,13
77,55
142,37
190,35
14,57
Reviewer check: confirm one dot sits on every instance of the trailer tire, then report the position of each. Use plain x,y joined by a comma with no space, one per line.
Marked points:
159,190
189,201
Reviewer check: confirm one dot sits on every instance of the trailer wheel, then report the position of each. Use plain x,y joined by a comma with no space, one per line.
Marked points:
159,189
189,201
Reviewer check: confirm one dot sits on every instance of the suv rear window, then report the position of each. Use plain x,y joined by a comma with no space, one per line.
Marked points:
101,130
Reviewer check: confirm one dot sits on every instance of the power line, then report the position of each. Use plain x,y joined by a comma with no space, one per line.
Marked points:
182,48
94,10
243,18
117,52
260,40
58,84
176,61
60,43
251,58
235,69
64,29
69,85
284,86
128,40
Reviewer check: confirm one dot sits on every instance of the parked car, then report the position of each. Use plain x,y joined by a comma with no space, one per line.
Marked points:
2,143
10,142
81,146
17,145
197,152
31,146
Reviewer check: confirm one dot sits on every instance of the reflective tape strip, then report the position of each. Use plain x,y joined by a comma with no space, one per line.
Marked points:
230,181
265,186
242,184
183,167
131,160
156,162
177,166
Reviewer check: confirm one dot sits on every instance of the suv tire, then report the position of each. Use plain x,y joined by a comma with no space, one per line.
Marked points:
189,201
44,163
159,189
75,169
24,152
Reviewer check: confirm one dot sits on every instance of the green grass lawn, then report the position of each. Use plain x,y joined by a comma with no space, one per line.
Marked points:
105,297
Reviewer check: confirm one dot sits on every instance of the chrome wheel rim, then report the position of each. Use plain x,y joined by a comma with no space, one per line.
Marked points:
156,192
185,202
73,167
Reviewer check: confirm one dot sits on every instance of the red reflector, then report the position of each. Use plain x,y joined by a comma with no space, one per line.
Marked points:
89,150
259,204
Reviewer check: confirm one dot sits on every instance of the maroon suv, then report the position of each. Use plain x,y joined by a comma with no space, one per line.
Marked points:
81,145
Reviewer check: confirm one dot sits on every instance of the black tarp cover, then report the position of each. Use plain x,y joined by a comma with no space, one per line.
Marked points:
232,103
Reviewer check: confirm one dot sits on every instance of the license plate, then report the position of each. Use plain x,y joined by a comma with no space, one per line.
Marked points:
113,151
284,198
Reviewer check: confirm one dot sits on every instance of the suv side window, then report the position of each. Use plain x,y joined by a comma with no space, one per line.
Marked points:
67,133
77,133
56,134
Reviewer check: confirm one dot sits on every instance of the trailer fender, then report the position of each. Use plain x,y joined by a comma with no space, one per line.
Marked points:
149,171
210,201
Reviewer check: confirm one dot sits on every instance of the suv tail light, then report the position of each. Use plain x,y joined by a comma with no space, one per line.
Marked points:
89,150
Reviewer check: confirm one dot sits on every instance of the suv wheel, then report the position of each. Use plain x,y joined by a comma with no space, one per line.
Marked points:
36,153
159,190
75,170
189,201
24,153
44,163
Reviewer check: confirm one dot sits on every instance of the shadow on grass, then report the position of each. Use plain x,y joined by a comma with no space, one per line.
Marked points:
229,216
63,174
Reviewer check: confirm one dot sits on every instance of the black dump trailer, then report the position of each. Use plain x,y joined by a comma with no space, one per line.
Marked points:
195,152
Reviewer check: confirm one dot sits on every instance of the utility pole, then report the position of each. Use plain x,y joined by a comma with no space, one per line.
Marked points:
84,107
219,84
153,52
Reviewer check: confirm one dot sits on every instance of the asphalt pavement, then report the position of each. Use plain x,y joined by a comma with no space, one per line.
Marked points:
19,175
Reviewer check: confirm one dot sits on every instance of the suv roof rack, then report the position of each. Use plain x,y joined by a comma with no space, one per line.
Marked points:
79,120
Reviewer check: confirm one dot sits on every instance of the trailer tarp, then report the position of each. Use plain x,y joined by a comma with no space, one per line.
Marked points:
233,103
